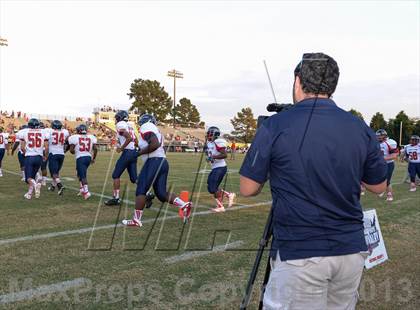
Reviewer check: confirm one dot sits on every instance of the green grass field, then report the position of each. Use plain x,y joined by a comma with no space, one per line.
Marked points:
48,245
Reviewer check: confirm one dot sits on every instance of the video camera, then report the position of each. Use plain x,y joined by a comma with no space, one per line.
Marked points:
274,107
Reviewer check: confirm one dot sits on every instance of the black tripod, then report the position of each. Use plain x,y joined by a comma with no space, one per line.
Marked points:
268,232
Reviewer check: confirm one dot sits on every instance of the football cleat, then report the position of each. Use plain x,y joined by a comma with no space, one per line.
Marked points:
149,199
389,197
61,191
413,189
51,188
232,197
28,196
23,180
86,195
132,223
38,190
1,174
113,202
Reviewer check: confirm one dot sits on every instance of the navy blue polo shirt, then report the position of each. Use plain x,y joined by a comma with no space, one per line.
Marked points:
315,190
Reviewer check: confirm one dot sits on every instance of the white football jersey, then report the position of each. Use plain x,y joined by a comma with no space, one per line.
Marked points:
144,129
56,141
388,147
214,148
4,140
34,141
18,134
83,144
125,127
413,153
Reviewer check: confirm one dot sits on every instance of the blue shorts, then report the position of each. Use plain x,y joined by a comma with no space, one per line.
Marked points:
21,159
127,160
32,165
389,172
1,154
413,169
55,162
153,173
215,178
82,165
44,165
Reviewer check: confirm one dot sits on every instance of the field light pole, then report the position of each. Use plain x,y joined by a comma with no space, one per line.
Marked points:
176,75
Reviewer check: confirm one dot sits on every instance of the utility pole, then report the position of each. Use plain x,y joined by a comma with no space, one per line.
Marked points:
176,75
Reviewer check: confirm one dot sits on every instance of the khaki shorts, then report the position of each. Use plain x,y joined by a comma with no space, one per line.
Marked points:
314,283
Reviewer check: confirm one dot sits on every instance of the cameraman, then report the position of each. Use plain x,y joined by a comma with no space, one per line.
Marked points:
316,155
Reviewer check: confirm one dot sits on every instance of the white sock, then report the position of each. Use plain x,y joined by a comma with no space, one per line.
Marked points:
179,202
23,174
138,214
32,185
116,194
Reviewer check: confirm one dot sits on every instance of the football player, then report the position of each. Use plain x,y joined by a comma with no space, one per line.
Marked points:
57,142
34,145
154,172
4,146
390,151
44,171
20,155
412,153
82,145
127,143
216,154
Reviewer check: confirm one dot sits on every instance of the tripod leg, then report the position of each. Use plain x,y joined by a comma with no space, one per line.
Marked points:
266,278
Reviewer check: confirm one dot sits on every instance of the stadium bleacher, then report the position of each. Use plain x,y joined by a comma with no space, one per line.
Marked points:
179,139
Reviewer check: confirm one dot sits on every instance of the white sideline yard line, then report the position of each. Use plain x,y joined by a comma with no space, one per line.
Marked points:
42,290
194,254
90,229
95,194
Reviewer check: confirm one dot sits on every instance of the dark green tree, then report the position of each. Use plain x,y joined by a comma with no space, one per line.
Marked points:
416,128
378,122
244,125
357,114
186,114
150,97
394,125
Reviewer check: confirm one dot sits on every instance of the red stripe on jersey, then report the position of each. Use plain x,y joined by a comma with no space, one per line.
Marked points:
142,134
391,150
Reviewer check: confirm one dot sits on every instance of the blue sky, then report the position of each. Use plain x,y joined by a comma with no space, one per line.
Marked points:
66,57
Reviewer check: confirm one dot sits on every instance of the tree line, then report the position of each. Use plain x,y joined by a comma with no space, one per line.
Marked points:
410,126
245,125
150,97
